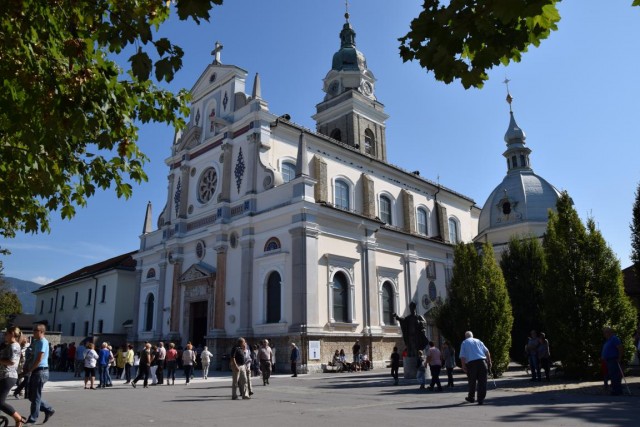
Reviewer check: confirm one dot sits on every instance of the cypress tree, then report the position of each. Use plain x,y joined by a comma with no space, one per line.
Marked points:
477,300
635,233
583,292
523,267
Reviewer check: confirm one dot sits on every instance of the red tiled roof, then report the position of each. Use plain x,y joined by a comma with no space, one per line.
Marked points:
120,262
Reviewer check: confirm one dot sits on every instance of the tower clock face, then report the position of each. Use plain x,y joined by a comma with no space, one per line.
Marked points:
334,86
367,88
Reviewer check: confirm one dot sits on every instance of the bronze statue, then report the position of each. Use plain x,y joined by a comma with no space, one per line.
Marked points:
413,331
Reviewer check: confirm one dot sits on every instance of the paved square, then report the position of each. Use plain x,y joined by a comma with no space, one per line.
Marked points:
335,399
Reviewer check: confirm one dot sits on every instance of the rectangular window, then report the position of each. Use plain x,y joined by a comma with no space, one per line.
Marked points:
75,302
59,327
100,325
51,305
73,329
62,303
41,306
89,299
104,293
86,328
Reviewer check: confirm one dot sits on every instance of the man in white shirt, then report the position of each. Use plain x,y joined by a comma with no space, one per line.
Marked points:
476,363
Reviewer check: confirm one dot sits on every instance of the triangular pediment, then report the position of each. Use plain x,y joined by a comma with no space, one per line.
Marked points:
197,272
215,76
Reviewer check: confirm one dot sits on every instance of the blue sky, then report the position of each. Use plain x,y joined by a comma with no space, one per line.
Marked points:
576,97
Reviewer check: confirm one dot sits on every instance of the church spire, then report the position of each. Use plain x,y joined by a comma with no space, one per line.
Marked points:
517,154
147,227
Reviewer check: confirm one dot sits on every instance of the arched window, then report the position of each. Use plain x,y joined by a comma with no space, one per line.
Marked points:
340,298
514,161
148,316
387,304
421,220
453,231
342,195
273,297
288,171
385,210
151,273
369,142
273,244
336,134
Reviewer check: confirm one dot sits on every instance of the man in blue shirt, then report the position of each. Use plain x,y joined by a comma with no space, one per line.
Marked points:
39,376
476,363
612,353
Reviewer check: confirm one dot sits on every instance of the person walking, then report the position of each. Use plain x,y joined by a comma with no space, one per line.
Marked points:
23,377
239,370
79,360
266,360
612,353
205,359
421,370
120,361
39,376
476,363
103,365
172,363
188,360
247,363
532,353
395,365
449,359
9,360
544,356
89,365
129,359
295,355
144,366
434,359
160,362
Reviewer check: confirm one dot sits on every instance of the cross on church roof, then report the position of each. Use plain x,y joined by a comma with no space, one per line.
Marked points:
216,52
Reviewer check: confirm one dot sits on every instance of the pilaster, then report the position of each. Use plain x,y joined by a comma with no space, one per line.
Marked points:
221,284
175,298
304,267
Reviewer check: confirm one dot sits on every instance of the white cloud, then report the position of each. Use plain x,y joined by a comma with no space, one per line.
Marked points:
42,280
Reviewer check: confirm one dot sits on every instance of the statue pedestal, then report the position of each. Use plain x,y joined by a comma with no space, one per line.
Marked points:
410,367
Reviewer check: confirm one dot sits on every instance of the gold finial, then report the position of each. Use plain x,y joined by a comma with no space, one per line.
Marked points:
509,97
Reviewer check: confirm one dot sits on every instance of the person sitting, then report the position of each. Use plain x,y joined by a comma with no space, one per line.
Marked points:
366,363
337,362
346,365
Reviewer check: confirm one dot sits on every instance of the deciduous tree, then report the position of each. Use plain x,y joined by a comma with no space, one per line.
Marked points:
69,112
462,39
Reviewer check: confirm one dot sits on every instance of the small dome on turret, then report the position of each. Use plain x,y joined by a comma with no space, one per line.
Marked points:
348,58
514,132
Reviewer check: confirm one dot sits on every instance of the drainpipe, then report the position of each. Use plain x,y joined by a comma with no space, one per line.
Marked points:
55,311
93,317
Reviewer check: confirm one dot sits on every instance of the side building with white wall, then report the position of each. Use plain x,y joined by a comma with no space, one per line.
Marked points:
94,300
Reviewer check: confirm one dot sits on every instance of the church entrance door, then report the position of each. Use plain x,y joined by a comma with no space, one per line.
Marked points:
198,322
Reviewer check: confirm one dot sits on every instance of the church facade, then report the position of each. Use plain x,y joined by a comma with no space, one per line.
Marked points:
271,230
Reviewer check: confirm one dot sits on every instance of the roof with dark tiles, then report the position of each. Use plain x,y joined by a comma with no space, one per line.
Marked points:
120,262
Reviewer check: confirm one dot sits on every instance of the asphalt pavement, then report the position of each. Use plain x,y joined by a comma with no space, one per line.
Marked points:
336,399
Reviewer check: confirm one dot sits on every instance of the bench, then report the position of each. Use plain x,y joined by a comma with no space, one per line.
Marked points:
330,367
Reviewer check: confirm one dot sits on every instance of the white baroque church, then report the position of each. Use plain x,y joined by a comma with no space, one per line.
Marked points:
272,230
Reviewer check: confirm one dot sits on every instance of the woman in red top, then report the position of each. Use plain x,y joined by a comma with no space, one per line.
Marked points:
172,363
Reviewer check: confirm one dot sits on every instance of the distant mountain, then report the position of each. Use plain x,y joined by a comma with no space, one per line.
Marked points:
24,288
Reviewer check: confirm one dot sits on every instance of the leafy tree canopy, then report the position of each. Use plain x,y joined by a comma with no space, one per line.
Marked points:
68,111
9,302
462,39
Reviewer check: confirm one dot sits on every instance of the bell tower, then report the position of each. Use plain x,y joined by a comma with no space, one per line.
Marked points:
350,112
